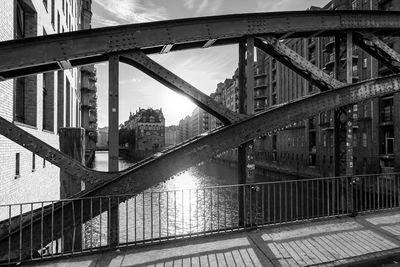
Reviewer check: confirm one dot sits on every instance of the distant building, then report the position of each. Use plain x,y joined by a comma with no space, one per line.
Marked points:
102,138
185,127
149,127
200,120
307,148
172,135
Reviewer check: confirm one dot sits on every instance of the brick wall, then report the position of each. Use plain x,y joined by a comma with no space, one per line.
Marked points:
43,182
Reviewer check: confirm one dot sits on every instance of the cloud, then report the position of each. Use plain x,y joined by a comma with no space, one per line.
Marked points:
130,81
109,13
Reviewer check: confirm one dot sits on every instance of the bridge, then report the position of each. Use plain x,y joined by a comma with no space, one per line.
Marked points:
21,235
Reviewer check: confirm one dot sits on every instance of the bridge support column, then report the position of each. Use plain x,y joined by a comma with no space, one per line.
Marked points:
72,143
113,109
246,106
113,140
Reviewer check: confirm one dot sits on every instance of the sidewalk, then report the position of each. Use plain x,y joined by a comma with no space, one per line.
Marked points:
364,240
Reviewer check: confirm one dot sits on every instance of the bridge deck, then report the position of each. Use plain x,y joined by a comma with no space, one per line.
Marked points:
371,239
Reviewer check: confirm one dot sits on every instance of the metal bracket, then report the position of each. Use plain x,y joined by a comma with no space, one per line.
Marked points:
166,48
209,43
64,64
378,49
297,63
139,60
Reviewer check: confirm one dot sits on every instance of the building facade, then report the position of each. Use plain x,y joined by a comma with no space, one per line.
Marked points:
39,104
307,148
149,127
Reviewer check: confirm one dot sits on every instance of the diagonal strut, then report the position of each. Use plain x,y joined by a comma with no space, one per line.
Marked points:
297,63
141,61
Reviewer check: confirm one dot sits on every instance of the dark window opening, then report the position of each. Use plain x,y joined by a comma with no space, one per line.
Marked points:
17,165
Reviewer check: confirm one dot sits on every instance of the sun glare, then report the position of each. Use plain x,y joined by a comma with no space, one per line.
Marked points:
176,106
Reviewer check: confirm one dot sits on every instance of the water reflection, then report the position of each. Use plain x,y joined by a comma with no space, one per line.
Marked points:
179,206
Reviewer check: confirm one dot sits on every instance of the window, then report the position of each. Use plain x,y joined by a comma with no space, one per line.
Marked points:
20,100
388,142
355,112
354,137
48,101
68,104
45,4
63,6
364,139
58,22
365,63
44,163
33,162
17,165
53,10
387,109
324,139
354,4
20,23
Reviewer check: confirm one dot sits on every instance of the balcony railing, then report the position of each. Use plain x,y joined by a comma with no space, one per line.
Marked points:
49,229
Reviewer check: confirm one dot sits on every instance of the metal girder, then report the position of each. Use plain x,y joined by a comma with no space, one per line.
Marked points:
157,169
297,63
52,155
378,49
24,56
139,60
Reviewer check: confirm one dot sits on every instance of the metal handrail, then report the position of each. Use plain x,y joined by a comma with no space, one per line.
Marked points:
156,216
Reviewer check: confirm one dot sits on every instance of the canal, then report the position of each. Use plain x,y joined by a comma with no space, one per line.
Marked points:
180,206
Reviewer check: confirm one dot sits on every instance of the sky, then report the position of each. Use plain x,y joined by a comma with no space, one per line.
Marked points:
202,68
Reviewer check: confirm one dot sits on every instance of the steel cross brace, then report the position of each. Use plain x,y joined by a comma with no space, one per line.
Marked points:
142,62
51,154
378,49
289,58
158,169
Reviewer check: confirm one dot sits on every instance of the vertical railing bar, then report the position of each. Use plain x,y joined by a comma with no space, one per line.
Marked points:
118,222
20,232
269,204
218,209
41,228
9,233
109,222
378,192
297,199
204,209
280,202
74,226
244,207
197,210
100,219
183,218
82,221
62,227
52,228
175,212
151,216
231,208
91,224
126,222
323,198
159,214
225,207
250,206
211,209
263,203
31,233
190,212
167,215
318,199
285,202
143,218
135,213
256,193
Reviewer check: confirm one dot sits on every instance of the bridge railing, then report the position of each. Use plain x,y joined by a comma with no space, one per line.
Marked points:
42,229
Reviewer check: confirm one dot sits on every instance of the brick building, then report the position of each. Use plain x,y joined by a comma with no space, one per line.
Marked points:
306,148
149,127
40,104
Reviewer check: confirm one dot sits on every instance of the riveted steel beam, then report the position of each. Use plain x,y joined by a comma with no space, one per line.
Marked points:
297,63
85,47
139,60
51,154
157,169
378,49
